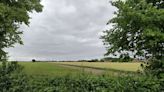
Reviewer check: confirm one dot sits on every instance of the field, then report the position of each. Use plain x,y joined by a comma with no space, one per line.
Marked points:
47,69
106,65
75,68
77,77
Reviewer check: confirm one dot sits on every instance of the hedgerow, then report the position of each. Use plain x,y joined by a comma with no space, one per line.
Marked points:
12,79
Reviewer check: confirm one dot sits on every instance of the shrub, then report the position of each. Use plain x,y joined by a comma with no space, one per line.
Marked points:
86,83
154,67
12,79
102,60
33,60
93,60
125,58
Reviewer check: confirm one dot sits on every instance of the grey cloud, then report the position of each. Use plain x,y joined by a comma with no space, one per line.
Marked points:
65,30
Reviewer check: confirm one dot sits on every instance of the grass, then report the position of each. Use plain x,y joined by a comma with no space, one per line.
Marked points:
47,69
76,68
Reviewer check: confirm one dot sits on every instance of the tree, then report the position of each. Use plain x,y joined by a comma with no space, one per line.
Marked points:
33,60
14,13
138,28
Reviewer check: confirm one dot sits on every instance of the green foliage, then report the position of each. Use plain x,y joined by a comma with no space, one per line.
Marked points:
155,67
137,27
33,60
12,79
125,58
14,13
122,58
84,83
94,60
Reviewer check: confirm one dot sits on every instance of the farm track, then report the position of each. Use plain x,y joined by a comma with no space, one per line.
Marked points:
96,70
85,69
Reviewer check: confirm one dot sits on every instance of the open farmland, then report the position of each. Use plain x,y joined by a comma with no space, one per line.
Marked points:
75,68
47,69
106,65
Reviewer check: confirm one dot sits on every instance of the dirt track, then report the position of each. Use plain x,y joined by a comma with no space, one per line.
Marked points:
85,69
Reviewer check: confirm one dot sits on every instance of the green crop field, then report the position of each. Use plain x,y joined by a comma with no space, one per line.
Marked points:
48,69
75,68
107,65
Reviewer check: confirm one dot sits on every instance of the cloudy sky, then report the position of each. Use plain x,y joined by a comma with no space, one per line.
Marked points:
65,30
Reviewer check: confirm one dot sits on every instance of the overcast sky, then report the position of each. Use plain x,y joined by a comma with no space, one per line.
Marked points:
65,30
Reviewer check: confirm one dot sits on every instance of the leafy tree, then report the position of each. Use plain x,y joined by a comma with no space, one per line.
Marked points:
12,78
138,28
14,13
125,58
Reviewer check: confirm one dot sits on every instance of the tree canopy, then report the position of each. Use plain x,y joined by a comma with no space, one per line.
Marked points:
138,27
14,13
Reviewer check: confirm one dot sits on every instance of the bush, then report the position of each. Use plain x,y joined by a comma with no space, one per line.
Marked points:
33,60
155,67
93,60
125,58
102,60
86,83
12,79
